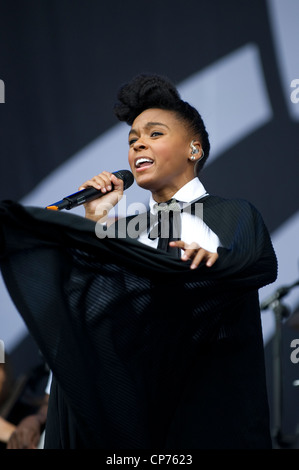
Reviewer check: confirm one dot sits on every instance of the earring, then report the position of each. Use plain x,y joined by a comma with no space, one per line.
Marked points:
194,149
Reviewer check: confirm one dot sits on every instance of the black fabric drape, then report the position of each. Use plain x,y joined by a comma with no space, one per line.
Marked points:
145,352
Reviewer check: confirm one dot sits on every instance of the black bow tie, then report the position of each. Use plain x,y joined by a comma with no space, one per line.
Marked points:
168,227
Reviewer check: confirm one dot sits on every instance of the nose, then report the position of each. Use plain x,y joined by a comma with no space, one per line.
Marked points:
139,144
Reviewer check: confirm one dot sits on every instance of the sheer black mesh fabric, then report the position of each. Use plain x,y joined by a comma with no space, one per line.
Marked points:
136,341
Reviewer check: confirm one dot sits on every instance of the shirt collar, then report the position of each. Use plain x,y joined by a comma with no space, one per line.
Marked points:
188,193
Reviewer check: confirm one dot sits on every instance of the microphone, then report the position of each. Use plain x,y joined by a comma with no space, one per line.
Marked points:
89,194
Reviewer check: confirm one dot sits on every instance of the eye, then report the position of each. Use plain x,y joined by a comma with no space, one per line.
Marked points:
156,133
131,141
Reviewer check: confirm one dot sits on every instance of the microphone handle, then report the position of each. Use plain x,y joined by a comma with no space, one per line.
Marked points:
89,194
77,199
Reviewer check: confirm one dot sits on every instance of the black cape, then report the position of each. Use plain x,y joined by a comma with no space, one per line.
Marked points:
145,353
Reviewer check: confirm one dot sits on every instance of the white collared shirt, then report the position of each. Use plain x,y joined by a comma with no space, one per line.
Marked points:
193,228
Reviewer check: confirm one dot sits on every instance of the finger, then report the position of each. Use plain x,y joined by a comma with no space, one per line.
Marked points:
117,183
21,439
190,251
11,442
179,244
212,259
184,245
204,255
199,257
101,181
94,183
107,176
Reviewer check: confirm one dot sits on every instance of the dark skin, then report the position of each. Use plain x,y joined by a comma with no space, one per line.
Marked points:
164,141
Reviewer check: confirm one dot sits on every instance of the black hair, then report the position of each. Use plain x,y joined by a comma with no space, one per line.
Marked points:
155,91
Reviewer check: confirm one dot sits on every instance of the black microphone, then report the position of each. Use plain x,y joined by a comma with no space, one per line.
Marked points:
89,194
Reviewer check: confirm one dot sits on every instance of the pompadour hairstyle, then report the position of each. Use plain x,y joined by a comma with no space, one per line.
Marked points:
147,91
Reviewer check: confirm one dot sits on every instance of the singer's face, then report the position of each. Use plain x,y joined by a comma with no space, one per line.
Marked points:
159,152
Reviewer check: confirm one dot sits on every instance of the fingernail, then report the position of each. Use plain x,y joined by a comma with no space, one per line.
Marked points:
109,188
193,266
184,256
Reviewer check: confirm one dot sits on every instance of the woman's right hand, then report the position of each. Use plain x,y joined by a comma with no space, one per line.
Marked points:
98,209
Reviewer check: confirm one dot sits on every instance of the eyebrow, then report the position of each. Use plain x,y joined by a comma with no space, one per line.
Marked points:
148,126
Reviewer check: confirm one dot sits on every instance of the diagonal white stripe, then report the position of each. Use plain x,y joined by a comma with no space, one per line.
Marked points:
284,15
231,96
285,243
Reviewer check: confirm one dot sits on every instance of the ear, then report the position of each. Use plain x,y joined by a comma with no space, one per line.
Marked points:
196,151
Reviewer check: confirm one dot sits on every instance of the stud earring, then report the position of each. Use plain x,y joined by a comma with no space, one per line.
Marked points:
192,158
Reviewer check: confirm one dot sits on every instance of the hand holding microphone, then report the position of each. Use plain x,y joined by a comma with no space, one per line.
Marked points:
107,186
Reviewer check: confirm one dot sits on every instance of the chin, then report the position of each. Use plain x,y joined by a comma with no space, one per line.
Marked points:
144,180
145,185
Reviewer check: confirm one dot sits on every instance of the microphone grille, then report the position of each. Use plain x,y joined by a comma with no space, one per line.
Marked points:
126,176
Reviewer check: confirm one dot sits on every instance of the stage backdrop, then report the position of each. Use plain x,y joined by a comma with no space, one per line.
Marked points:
61,64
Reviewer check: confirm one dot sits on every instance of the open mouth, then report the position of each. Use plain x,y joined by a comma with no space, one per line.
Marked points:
143,162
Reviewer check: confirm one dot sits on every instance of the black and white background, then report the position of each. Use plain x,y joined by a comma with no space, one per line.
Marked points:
61,64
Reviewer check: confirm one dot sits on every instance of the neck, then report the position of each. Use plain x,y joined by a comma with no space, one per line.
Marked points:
166,193
163,196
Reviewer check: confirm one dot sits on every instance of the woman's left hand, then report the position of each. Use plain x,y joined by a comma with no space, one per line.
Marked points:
195,253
